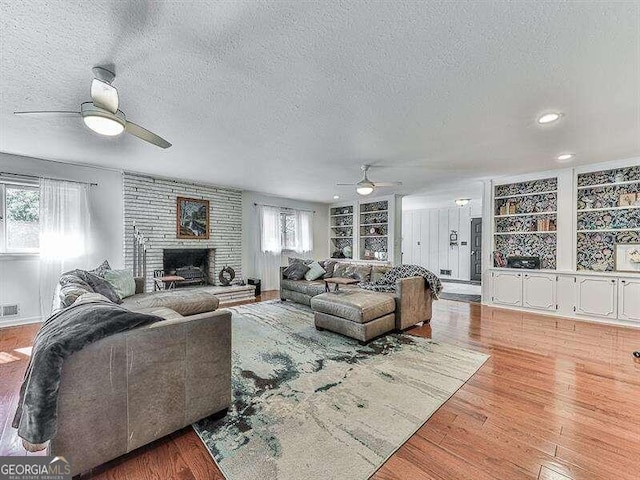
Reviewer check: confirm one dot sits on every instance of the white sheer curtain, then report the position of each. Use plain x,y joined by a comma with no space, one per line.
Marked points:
64,234
267,258
304,231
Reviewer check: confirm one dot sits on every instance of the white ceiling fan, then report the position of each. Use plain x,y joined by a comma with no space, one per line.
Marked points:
366,186
102,115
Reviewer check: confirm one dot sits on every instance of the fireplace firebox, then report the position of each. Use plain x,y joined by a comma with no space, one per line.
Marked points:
192,264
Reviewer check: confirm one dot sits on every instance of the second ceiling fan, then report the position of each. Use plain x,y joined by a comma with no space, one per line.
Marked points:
366,186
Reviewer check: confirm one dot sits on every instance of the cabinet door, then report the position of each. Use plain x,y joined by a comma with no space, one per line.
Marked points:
596,297
566,294
507,288
629,299
407,237
539,291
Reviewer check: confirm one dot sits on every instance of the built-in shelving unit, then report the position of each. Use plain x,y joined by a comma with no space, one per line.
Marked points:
369,229
341,230
374,230
607,213
525,220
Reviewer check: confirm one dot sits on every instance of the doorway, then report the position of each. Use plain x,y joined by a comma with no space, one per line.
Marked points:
476,250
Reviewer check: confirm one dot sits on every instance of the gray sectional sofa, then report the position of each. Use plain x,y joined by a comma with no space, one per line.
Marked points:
132,388
413,298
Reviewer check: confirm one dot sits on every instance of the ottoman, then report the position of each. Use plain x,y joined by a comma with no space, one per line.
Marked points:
358,314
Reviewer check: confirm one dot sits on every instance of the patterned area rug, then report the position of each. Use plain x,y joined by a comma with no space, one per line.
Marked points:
317,405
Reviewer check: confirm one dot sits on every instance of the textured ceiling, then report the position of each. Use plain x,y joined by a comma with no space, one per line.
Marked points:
289,98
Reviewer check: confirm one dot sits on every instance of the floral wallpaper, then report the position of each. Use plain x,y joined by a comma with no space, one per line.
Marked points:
339,244
342,210
609,176
604,197
609,219
532,186
374,206
381,217
540,245
530,204
523,224
596,250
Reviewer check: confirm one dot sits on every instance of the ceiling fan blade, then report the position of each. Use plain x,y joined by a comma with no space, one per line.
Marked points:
104,95
346,184
48,113
146,135
387,184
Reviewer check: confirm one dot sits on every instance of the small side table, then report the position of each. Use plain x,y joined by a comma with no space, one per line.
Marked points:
166,282
337,281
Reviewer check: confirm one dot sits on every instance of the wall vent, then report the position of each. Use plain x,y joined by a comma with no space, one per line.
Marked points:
10,310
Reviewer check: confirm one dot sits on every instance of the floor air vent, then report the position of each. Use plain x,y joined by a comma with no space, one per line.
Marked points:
10,310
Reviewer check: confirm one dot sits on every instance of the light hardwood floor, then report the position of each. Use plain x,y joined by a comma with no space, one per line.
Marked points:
557,399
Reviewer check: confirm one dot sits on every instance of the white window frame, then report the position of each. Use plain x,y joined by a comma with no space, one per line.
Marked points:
283,214
4,249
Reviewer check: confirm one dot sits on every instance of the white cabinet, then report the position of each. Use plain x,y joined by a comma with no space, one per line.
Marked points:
539,291
629,299
566,294
596,296
507,288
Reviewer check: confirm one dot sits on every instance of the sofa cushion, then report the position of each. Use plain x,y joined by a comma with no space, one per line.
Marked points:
163,312
329,266
315,271
299,286
122,282
306,261
296,271
356,305
361,272
315,288
72,287
185,301
101,269
378,271
340,270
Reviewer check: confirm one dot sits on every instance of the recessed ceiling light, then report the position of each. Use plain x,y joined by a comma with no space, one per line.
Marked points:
565,157
549,117
336,197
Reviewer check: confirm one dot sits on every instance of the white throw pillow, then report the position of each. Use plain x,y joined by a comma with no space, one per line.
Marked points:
315,271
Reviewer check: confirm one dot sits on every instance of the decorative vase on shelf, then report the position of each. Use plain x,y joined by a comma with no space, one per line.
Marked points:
619,177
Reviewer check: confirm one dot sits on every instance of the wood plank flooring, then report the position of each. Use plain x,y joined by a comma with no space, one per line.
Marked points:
558,399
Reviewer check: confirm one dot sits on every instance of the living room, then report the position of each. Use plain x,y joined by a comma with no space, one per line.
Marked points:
350,240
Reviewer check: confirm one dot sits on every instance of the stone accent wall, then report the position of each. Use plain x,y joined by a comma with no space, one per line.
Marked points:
151,202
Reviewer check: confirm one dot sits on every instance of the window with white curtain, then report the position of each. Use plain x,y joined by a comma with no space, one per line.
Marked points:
19,217
285,230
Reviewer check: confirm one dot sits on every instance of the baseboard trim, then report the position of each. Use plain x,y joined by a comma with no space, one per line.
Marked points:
15,322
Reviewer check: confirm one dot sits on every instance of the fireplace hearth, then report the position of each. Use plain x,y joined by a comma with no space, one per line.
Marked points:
192,264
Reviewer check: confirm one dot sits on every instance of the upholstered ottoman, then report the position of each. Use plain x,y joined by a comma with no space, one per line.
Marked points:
355,313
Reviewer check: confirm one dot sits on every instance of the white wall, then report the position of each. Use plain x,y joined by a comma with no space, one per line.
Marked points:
251,229
19,275
425,239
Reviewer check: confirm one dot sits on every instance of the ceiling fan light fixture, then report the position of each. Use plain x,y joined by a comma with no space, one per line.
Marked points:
461,202
549,117
102,121
364,188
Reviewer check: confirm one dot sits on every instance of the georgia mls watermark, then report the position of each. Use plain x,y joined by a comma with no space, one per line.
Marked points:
34,468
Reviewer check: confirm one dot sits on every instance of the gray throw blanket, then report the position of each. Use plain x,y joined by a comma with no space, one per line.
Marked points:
388,281
64,333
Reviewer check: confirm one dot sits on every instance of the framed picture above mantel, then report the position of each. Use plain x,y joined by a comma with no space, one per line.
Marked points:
192,218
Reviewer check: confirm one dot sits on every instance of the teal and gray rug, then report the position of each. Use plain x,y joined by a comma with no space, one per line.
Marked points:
316,405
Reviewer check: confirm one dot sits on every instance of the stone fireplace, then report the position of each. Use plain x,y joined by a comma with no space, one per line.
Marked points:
195,265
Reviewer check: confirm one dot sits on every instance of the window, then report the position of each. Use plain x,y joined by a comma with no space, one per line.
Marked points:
19,218
288,231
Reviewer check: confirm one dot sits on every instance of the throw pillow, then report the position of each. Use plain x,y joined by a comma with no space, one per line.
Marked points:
98,285
306,261
340,270
122,282
329,266
378,271
101,269
296,271
362,273
315,272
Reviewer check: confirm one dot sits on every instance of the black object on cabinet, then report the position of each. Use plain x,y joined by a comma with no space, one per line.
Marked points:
257,282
